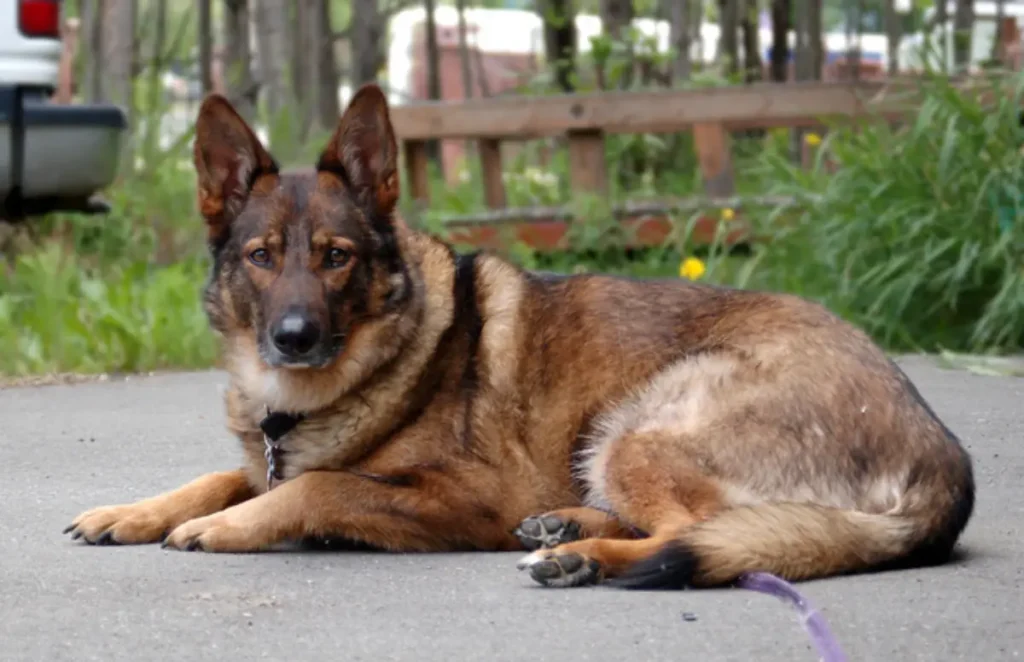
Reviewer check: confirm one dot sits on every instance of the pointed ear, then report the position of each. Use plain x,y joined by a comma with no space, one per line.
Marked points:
364,154
228,158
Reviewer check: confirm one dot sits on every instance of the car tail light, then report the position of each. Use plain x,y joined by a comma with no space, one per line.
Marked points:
39,18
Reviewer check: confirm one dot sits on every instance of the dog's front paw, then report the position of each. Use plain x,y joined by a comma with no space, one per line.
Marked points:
130,524
220,532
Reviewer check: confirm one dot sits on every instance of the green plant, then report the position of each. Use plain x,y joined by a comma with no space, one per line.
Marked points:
59,315
917,235
913,232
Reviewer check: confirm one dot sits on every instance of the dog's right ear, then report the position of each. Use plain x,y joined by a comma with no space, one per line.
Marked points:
228,158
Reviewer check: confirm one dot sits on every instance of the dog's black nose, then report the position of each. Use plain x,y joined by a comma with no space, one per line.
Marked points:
295,334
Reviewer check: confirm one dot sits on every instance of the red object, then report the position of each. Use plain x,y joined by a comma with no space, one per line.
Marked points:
39,18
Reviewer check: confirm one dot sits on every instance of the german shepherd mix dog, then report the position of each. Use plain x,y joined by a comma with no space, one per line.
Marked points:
648,434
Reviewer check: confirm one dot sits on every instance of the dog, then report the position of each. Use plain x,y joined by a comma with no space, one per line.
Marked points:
390,391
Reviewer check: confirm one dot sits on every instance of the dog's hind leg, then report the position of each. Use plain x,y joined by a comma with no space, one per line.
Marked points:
650,483
570,524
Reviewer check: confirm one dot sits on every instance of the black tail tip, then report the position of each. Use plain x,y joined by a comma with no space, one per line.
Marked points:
670,568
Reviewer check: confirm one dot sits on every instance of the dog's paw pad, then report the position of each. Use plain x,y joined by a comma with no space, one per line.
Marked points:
561,570
546,531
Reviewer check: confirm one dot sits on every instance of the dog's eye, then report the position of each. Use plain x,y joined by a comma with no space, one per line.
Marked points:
336,257
260,257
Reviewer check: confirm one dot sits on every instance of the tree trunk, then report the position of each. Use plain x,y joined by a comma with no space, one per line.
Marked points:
433,53
728,43
801,57
327,69
696,23
205,39
302,82
299,42
312,52
559,18
963,25
616,18
366,29
939,22
751,42
892,35
780,43
117,40
272,45
803,65
113,54
815,40
433,73
238,79
464,61
997,43
680,33
156,67
853,20
92,49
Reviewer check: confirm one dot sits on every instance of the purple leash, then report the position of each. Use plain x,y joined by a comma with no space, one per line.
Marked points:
813,622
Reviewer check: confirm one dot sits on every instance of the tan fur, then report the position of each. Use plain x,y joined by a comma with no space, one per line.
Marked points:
151,519
794,540
734,430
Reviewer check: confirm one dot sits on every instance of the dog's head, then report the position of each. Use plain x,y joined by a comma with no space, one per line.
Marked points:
303,262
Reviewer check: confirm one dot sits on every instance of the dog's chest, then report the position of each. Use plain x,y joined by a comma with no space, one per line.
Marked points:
308,444
313,445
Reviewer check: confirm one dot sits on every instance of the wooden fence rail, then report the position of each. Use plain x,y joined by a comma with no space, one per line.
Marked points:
584,120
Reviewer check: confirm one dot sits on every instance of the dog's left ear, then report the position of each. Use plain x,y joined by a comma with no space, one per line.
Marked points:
364,154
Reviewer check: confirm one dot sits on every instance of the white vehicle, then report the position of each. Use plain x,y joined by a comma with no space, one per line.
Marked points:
52,156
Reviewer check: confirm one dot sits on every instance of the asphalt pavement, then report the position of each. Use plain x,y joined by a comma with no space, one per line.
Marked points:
65,448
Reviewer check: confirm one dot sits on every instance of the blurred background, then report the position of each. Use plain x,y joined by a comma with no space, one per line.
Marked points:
909,228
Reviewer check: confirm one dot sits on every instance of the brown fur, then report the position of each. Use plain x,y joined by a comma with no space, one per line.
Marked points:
689,433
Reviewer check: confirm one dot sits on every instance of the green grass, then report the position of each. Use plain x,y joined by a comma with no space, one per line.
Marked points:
917,237
111,293
60,315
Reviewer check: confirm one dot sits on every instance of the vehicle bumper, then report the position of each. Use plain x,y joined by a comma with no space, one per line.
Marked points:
55,157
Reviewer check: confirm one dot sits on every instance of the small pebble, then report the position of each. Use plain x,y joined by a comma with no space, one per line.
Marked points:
689,616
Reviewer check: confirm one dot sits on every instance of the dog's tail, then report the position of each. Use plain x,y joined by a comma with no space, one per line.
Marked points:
800,541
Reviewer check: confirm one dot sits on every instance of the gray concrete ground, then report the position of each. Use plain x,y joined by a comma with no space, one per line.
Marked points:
70,447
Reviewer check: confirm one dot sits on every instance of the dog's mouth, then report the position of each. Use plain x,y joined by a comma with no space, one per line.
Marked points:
316,358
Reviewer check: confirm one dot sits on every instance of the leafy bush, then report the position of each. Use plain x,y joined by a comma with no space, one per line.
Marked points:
918,234
60,315
914,233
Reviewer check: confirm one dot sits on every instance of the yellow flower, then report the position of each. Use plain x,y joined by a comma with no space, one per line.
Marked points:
812,139
728,214
691,268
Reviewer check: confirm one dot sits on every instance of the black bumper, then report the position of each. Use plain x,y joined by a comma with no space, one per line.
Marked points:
22,108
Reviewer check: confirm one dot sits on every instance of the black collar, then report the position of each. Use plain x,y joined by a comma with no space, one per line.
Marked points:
277,424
